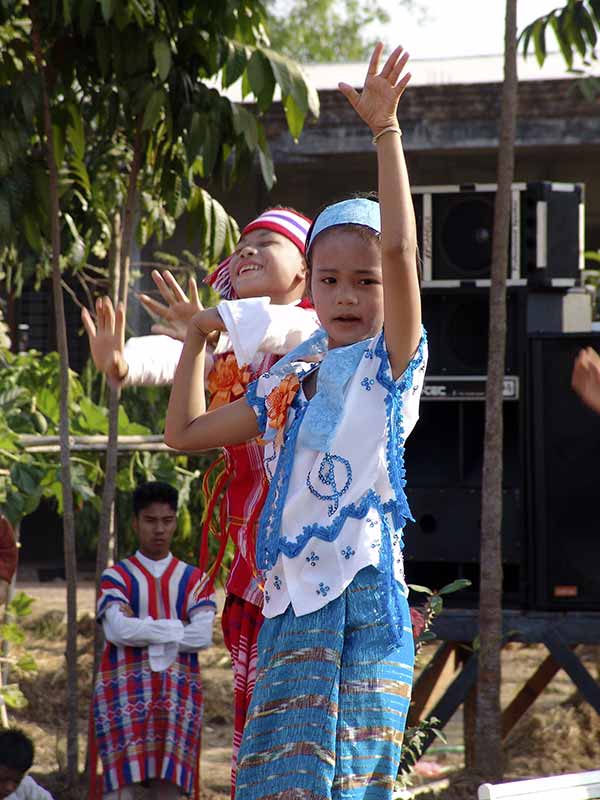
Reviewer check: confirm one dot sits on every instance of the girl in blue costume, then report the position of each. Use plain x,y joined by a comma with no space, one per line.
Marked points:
335,651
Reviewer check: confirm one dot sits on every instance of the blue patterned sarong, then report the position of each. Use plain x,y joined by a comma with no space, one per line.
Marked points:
329,707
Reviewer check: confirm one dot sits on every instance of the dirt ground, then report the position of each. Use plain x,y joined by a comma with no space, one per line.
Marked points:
555,736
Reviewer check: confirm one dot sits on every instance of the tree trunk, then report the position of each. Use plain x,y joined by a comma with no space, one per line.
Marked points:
119,290
488,741
64,424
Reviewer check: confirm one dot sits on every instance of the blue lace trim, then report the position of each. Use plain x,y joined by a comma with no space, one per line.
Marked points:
269,541
395,424
257,404
267,537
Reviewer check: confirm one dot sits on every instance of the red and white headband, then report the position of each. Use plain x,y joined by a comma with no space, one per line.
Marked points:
291,224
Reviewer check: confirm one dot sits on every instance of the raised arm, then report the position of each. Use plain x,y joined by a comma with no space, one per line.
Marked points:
188,425
377,105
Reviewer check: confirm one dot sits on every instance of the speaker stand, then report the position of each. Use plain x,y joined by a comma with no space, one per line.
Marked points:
450,678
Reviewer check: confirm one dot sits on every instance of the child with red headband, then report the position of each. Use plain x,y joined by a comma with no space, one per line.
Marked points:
262,316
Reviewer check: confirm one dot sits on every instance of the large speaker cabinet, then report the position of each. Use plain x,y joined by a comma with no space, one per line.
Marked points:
455,225
444,455
565,453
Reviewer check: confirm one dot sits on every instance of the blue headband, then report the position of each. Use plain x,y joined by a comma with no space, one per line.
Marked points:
359,211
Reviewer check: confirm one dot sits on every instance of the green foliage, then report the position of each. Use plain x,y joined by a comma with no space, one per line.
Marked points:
29,406
412,747
575,25
124,78
13,632
324,30
422,618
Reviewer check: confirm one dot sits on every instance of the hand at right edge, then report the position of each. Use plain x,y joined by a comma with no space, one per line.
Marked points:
107,339
586,378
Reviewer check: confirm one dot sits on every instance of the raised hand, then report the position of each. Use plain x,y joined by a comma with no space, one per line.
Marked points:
179,308
107,339
586,378
378,102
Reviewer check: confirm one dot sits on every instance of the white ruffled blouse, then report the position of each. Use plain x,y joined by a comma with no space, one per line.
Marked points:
332,512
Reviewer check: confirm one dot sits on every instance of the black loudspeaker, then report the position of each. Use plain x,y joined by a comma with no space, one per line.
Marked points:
457,327
444,459
565,449
455,226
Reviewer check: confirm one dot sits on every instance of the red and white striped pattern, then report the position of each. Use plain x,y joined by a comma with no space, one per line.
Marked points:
289,223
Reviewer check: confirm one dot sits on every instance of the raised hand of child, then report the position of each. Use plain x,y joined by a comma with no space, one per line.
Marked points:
378,102
107,339
179,308
586,378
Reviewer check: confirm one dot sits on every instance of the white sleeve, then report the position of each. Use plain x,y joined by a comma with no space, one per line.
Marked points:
256,325
30,790
135,632
151,360
198,633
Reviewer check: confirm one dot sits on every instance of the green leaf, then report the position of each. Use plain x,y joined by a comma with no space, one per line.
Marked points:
265,159
539,40
261,79
12,633
103,49
294,116
162,57
564,45
48,404
75,132
455,586
58,138
13,696
67,12
92,419
235,65
595,6
153,109
245,123
108,9
210,149
21,604
436,604
27,663
415,587
86,16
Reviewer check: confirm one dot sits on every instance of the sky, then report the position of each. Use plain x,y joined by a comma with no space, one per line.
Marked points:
457,27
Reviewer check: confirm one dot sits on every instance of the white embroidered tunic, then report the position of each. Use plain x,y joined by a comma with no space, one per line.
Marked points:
334,510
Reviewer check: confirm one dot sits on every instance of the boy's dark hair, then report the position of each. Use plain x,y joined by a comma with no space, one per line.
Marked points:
16,750
154,492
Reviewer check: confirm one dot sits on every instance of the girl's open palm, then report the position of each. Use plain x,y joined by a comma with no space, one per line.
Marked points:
107,339
179,308
378,102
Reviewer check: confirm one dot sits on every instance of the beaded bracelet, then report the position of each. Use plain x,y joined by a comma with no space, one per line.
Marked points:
391,129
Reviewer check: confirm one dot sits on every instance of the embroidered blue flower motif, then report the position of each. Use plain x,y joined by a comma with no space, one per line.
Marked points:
396,538
371,522
266,375
326,474
376,545
348,552
369,354
312,558
323,590
277,582
368,383
267,597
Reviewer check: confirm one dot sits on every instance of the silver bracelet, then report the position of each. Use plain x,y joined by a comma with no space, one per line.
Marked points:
390,129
